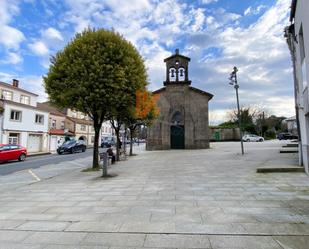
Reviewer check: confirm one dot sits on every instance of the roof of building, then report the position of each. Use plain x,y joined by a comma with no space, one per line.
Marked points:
16,88
176,55
51,109
82,121
59,132
23,105
190,87
293,10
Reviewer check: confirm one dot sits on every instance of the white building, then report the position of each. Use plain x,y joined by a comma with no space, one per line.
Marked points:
22,122
84,129
297,35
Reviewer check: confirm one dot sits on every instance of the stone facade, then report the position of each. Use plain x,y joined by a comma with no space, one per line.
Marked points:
183,119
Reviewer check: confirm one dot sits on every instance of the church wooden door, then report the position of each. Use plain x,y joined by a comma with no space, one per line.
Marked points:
177,137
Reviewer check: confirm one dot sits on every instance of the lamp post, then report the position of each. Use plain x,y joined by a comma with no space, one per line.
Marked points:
233,82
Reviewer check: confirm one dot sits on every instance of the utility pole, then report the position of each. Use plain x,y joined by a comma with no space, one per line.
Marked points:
233,82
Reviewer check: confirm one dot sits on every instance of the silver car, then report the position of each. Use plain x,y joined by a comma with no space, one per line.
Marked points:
252,138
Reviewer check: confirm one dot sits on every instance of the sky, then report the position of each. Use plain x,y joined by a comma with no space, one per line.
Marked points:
216,34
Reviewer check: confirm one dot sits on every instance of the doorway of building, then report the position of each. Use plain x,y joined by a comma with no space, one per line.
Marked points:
177,137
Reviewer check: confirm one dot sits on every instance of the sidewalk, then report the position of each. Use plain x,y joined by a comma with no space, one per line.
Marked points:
164,199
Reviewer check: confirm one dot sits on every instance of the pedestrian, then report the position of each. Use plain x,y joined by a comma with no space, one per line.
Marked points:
111,153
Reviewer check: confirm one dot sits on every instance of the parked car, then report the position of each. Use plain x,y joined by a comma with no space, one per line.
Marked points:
10,152
286,136
252,138
108,141
72,146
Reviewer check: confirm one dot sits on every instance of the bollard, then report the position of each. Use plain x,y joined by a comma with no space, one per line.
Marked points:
105,161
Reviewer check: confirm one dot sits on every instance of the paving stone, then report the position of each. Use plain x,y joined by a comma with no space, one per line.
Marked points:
195,228
109,239
94,226
149,227
60,238
5,245
43,226
13,236
10,224
292,242
74,247
252,242
177,241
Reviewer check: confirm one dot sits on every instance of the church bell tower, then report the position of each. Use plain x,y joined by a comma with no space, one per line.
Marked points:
177,69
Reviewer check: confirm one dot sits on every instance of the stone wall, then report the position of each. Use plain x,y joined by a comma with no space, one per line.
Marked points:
193,107
220,134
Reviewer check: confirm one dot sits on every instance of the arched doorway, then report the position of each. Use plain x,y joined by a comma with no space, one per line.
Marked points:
177,131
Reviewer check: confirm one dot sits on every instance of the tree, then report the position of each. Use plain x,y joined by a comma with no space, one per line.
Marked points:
246,117
96,70
144,113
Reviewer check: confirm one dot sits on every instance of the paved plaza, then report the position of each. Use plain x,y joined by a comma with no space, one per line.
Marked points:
162,199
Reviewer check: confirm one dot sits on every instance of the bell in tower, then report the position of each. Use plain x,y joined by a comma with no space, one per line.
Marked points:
177,69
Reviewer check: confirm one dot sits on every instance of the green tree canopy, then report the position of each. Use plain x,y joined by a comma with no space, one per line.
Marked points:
97,70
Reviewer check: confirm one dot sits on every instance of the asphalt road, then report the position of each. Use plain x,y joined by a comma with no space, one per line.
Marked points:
40,161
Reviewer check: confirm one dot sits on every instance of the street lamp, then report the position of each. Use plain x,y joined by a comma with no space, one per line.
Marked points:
233,82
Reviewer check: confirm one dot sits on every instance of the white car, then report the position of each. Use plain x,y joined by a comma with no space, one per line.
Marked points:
252,138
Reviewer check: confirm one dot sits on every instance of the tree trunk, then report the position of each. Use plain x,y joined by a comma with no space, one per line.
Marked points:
131,141
117,144
95,160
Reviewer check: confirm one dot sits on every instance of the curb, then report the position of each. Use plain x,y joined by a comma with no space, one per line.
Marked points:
281,170
39,154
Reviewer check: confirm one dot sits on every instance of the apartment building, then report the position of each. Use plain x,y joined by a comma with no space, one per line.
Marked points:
297,35
60,127
22,121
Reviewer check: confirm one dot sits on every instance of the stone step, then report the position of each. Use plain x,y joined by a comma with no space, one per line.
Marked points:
289,150
280,169
290,145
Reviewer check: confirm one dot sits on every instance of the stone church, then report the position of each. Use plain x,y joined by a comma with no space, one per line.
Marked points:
183,119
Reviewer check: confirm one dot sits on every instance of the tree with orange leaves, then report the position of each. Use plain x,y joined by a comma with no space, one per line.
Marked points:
144,113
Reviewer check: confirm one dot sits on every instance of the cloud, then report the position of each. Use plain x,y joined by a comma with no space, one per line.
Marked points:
254,11
52,34
13,58
10,37
39,48
208,1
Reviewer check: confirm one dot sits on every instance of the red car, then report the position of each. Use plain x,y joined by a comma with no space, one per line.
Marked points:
10,152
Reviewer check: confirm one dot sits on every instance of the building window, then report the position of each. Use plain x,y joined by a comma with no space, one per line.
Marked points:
62,125
15,115
25,100
53,123
83,127
13,138
39,119
7,95
303,57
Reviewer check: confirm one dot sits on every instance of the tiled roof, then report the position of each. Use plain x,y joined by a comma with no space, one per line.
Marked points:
23,105
82,121
51,109
16,88
59,132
